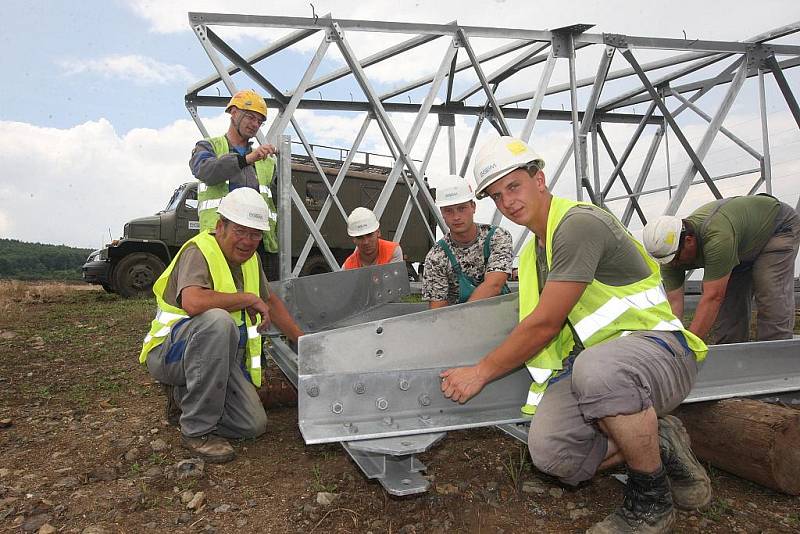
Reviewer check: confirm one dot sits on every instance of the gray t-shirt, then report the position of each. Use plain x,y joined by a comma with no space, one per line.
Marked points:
439,281
192,270
591,244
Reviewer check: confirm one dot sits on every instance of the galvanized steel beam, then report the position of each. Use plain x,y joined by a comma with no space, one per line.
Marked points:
285,207
705,143
310,23
400,107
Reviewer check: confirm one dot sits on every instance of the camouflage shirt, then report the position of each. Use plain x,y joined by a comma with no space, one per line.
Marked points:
439,281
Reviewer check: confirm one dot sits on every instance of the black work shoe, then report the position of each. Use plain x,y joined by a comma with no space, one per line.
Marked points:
691,486
211,448
646,509
172,412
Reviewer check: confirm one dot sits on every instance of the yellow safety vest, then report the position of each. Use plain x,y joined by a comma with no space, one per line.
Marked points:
602,313
222,280
209,196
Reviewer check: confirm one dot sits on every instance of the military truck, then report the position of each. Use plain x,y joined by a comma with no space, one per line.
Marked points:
130,265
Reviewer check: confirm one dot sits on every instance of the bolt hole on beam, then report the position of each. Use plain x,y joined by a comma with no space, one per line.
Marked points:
379,330
379,353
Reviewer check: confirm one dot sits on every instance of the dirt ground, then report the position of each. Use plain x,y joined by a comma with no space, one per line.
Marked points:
84,448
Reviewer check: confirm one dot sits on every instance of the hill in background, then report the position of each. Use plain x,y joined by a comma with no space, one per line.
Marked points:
37,261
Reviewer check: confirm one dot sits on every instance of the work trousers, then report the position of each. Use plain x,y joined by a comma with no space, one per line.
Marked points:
624,376
203,358
769,278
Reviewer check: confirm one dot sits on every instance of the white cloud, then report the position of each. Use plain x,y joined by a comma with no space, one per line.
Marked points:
615,16
78,185
135,68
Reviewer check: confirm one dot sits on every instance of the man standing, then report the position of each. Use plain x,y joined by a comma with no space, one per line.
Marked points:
585,283
205,342
228,162
746,247
473,261
364,229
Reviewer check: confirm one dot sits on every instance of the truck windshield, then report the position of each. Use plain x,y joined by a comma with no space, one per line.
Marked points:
174,201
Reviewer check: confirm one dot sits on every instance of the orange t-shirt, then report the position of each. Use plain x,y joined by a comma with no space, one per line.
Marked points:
385,252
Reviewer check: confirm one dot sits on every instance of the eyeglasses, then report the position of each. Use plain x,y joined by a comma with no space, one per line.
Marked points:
253,117
241,232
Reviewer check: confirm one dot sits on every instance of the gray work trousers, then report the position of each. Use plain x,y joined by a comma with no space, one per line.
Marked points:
202,358
770,279
624,376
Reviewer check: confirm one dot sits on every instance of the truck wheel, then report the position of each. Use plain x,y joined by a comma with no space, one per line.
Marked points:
315,265
136,273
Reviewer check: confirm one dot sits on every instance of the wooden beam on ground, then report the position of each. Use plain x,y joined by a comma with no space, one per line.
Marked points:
754,440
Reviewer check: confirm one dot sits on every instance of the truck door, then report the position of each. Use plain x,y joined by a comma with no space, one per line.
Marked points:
187,223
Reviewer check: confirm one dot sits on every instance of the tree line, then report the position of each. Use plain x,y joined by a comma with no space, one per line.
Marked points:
39,261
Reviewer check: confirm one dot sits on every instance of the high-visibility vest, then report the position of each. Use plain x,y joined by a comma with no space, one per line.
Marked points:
385,251
601,314
222,280
209,196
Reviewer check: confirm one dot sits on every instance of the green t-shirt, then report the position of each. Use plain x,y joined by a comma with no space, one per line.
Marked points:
591,244
735,233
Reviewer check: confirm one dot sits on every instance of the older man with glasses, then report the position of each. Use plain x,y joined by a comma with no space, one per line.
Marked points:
204,344
228,162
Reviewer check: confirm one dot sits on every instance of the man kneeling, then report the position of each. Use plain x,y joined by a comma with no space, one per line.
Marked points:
592,287
205,342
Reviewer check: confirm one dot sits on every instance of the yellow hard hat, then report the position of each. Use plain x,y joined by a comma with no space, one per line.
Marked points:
248,100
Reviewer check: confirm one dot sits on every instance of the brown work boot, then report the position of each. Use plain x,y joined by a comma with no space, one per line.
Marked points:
646,508
172,411
210,448
691,486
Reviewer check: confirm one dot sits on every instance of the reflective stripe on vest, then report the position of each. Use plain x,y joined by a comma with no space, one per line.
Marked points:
209,196
222,280
602,313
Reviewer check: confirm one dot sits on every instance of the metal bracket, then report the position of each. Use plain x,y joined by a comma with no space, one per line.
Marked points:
561,44
399,475
447,119
758,55
392,462
458,42
334,33
617,40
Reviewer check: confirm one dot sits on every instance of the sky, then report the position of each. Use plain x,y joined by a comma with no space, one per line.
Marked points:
95,131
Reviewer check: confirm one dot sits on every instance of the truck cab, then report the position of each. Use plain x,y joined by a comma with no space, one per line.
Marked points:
130,265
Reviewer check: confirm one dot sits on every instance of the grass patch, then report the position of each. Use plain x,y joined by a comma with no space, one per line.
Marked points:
79,394
319,484
718,509
516,465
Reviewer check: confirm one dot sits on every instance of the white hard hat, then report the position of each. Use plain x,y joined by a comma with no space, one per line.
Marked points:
245,206
361,222
499,157
454,190
662,237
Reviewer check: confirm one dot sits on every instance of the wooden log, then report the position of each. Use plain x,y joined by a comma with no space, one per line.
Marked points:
754,440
